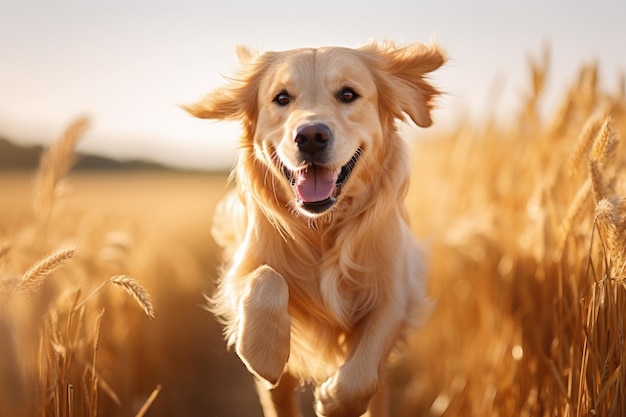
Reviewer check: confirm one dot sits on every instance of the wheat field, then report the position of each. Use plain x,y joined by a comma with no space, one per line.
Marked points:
103,276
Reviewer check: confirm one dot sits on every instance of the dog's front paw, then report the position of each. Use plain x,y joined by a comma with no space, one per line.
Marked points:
344,395
264,332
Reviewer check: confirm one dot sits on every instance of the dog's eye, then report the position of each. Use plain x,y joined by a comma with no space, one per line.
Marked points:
283,98
347,95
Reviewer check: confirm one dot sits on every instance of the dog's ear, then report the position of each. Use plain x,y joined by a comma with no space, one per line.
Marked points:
238,99
401,77
245,54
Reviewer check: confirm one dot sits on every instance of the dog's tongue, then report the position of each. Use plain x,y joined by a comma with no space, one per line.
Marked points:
315,183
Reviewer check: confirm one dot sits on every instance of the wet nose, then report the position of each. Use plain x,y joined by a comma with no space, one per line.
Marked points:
312,137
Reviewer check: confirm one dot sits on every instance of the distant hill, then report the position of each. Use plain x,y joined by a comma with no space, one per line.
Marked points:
14,156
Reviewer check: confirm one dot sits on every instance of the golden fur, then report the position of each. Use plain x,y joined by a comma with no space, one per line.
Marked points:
321,291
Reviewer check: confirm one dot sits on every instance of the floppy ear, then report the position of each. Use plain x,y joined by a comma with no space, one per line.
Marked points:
401,77
238,99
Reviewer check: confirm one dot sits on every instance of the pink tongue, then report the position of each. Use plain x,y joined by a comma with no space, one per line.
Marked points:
315,184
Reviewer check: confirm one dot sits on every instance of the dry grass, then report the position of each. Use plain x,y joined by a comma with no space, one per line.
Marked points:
528,255
72,344
62,338
526,225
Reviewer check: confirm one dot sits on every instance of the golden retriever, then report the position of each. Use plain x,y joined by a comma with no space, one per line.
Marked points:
324,276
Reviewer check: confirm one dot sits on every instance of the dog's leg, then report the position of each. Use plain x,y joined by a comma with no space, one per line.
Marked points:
282,401
348,392
264,328
379,404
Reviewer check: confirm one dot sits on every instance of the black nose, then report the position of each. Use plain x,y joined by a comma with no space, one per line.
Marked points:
312,137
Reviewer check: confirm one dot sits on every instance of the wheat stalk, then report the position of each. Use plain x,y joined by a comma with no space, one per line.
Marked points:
107,389
94,377
35,276
144,408
581,201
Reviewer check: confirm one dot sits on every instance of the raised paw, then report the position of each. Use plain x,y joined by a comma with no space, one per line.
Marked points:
264,331
344,395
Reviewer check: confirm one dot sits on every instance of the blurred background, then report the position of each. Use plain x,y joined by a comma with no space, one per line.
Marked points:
129,64
515,194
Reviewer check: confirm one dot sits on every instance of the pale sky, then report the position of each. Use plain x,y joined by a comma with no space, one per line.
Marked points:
129,64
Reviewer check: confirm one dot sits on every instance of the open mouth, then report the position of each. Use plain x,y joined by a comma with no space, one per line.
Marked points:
317,187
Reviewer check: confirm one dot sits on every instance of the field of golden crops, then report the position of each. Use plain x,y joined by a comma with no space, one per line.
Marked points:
102,277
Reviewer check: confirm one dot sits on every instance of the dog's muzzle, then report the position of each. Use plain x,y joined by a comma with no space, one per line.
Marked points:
317,186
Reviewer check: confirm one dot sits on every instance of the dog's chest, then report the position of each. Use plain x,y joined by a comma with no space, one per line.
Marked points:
330,291
328,278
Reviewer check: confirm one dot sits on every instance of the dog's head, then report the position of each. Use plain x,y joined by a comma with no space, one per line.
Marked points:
313,117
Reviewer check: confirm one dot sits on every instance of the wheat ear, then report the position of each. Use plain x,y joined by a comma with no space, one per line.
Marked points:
36,274
131,286
608,213
601,154
54,164
604,146
138,292
600,189
584,142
